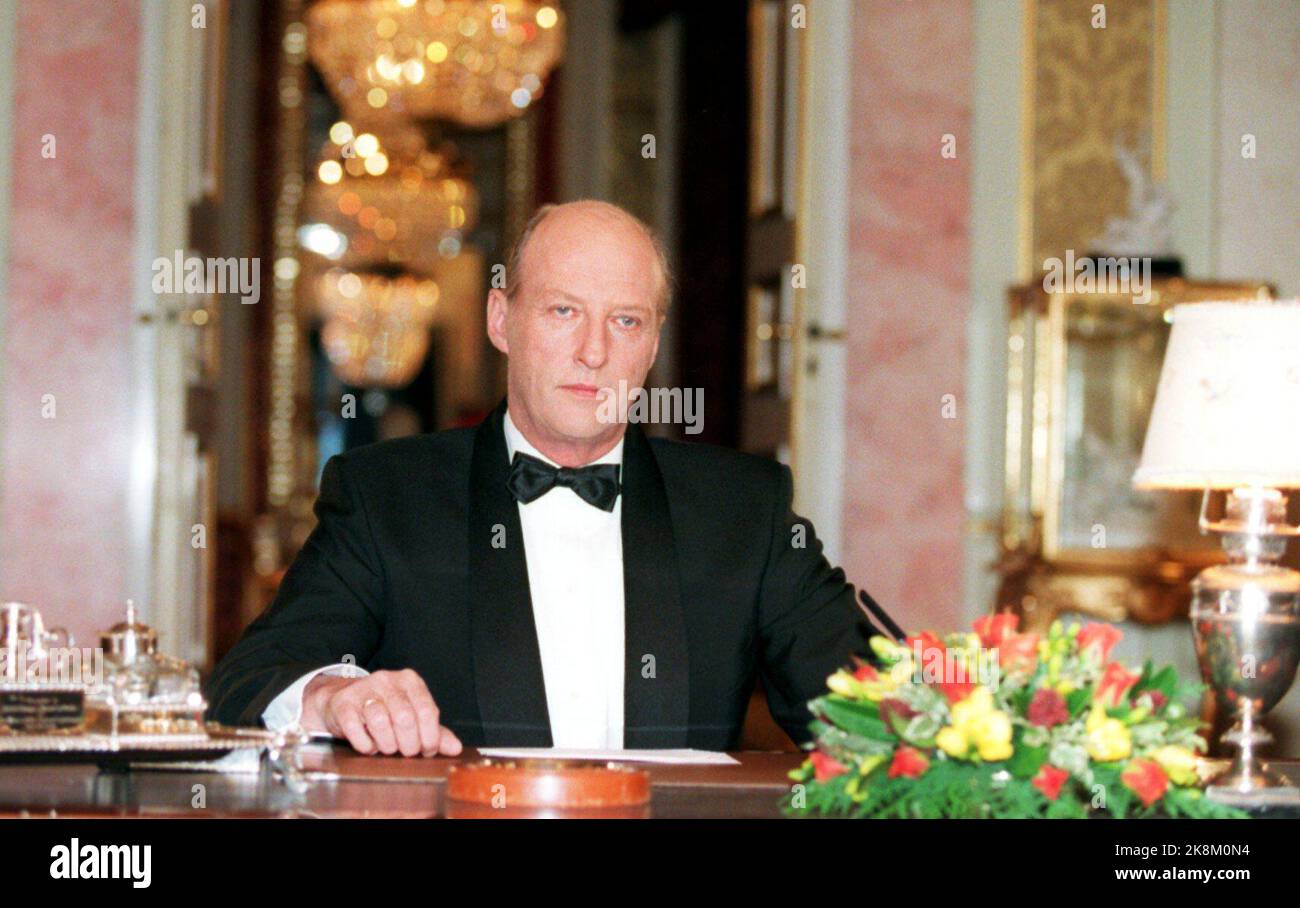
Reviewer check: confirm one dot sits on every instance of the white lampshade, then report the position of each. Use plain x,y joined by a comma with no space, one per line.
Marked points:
1227,409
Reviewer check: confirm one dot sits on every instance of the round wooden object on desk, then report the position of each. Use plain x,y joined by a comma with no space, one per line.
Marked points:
519,789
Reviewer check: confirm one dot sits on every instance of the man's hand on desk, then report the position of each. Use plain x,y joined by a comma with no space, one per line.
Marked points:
385,712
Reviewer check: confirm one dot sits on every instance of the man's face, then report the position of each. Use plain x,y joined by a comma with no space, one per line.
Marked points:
583,319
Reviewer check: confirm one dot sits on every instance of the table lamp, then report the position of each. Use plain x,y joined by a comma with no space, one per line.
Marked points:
1227,417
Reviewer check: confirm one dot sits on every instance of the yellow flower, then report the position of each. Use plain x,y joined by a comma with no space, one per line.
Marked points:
952,742
1108,738
992,752
975,704
876,691
992,734
975,722
888,650
870,763
845,684
1179,763
1065,688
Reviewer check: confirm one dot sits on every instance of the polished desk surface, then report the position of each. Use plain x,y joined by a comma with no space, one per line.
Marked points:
343,783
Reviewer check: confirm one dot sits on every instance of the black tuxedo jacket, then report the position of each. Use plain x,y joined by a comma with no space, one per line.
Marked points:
402,572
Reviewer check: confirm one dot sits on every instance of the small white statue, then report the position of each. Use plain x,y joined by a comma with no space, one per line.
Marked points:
1147,228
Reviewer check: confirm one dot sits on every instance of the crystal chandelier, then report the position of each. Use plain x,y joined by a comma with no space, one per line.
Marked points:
475,62
389,203
376,330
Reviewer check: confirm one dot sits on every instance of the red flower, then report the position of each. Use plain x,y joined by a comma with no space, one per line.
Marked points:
866,672
956,691
1145,779
909,763
1099,638
826,767
1018,652
924,645
993,629
1049,781
1158,699
1114,685
930,658
1047,708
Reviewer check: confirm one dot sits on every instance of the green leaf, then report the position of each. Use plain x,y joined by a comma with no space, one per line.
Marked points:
850,747
1078,701
853,716
920,731
1026,761
1165,680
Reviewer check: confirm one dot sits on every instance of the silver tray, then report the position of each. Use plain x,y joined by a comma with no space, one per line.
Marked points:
214,742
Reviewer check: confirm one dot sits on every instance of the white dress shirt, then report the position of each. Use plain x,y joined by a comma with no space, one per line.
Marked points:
574,553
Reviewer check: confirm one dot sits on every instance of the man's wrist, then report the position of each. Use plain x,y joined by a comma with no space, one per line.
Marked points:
314,697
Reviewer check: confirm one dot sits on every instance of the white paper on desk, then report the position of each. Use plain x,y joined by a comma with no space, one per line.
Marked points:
683,757
245,760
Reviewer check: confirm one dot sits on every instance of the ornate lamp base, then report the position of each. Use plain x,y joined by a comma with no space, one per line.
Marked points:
1246,626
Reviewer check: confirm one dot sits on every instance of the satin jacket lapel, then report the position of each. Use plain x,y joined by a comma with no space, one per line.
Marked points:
656,692
507,659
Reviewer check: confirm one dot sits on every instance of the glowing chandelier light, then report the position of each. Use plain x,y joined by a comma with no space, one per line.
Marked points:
376,331
390,202
475,62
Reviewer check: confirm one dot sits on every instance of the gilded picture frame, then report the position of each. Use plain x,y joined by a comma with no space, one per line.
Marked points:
1075,537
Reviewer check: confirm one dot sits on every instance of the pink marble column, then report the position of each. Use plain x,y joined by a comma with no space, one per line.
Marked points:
909,257
63,480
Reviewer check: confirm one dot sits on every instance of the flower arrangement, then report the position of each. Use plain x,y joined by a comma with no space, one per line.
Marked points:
999,723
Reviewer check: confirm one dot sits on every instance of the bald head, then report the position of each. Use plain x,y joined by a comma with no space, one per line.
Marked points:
594,228
578,321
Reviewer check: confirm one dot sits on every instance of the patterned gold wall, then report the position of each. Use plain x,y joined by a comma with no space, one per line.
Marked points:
1085,88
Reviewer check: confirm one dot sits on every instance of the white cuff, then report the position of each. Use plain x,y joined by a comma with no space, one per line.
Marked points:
285,711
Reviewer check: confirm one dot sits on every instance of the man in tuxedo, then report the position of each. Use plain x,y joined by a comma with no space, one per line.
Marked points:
551,577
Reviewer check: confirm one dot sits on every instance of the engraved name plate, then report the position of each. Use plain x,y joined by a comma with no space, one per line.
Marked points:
34,711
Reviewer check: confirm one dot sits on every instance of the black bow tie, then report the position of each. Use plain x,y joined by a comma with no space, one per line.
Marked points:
596,484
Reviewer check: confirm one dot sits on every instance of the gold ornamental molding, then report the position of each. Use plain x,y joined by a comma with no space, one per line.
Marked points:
286,370
1088,87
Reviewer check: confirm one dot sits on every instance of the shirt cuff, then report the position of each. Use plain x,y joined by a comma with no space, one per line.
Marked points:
285,711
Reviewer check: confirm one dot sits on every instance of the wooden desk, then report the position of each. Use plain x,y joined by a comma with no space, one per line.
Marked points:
343,783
